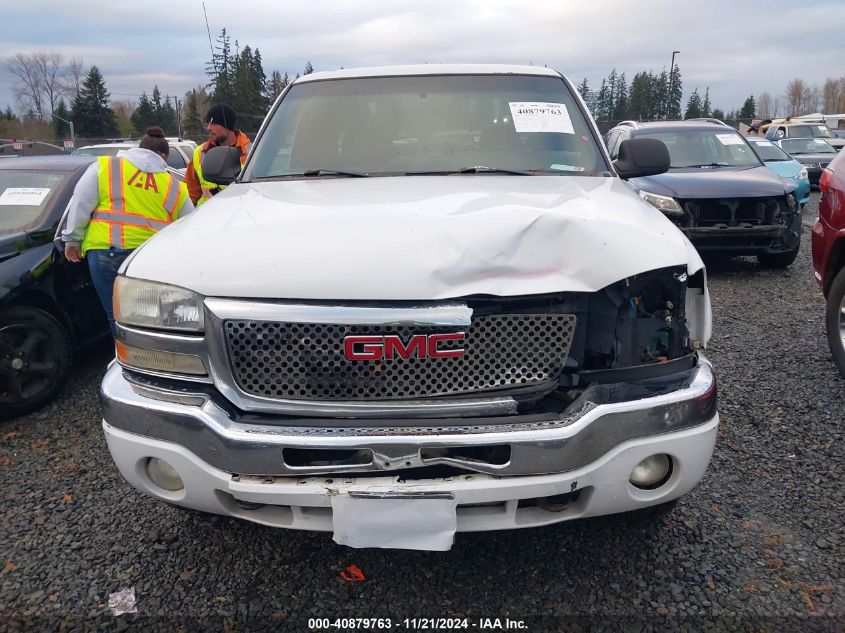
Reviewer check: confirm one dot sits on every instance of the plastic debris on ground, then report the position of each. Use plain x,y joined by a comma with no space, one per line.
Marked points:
123,601
353,573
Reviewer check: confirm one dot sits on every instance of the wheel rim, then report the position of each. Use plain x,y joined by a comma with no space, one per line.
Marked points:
842,322
29,363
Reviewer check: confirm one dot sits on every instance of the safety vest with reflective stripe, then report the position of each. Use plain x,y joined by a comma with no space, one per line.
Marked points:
209,188
133,206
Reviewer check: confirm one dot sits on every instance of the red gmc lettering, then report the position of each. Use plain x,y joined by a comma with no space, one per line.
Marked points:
434,339
391,346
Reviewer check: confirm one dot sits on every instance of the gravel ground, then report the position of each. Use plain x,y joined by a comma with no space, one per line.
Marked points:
757,546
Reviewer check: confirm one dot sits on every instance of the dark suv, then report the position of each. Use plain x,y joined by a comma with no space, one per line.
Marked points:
718,191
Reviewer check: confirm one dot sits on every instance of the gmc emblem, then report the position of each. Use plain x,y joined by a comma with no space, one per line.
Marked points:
391,346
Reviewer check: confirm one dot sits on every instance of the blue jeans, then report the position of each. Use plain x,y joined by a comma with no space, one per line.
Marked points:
104,265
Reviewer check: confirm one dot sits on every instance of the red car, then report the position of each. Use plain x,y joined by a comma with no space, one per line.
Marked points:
829,254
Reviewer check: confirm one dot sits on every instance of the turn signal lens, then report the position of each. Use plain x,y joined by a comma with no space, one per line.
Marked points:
156,360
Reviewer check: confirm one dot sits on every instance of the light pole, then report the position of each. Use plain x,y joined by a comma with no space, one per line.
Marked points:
70,123
671,81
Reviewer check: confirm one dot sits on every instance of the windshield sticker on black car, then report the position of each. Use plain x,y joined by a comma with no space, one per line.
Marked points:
541,117
23,196
729,139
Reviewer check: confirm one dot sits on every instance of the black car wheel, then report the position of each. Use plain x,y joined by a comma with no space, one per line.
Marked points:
778,260
34,360
835,320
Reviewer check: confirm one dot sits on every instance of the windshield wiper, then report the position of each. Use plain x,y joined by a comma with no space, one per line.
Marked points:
484,169
335,172
315,172
705,165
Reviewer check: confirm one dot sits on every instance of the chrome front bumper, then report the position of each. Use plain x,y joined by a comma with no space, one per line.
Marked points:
533,444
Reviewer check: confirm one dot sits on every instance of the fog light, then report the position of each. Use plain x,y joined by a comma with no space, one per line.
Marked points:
652,472
163,474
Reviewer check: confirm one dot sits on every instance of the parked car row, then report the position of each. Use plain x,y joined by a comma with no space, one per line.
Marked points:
181,152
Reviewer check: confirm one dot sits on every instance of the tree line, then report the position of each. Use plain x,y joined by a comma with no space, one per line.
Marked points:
50,91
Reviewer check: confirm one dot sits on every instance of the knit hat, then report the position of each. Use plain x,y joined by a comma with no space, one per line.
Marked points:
221,114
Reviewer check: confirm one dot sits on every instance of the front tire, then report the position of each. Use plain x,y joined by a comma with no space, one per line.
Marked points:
835,320
35,357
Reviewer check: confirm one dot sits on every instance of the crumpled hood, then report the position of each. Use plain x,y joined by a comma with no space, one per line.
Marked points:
415,238
757,182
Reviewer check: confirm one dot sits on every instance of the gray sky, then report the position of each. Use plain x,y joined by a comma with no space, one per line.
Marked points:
735,48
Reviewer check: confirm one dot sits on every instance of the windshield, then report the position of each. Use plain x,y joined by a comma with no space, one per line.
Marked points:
704,148
25,198
768,151
810,131
427,124
807,146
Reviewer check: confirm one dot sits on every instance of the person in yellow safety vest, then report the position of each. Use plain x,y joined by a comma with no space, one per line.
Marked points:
119,203
220,123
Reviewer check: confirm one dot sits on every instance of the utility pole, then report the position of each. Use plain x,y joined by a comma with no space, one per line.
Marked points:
671,82
70,123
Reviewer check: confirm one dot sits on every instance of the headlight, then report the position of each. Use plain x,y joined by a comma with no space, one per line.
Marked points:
802,175
154,305
668,205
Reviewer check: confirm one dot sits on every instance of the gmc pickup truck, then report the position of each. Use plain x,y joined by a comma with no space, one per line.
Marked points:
428,303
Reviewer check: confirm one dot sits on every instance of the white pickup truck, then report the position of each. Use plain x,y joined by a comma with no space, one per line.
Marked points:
428,303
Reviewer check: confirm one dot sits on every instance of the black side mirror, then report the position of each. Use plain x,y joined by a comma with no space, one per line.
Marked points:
221,165
641,157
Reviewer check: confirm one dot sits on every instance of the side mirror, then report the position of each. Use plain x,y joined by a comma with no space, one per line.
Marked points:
221,165
641,157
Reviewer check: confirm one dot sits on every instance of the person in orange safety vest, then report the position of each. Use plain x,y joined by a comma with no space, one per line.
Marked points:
220,124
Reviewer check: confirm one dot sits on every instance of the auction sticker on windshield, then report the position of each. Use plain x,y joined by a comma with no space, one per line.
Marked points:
729,139
541,117
26,196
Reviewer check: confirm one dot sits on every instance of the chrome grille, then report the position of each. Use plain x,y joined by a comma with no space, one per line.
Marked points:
305,361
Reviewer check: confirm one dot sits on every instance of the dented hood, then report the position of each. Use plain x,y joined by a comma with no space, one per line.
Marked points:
422,238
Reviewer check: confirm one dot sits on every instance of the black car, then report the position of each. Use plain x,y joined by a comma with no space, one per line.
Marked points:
718,192
48,306
813,153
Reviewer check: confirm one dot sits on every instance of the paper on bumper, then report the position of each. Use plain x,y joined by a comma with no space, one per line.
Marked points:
395,523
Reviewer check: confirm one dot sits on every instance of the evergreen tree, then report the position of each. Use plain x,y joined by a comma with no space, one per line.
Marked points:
93,117
676,94
620,108
659,95
61,128
705,105
166,117
144,114
274,86
308,68
584,91
748,109
10,116
718,114
693,106
602,108
219,69
639,97
192,123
